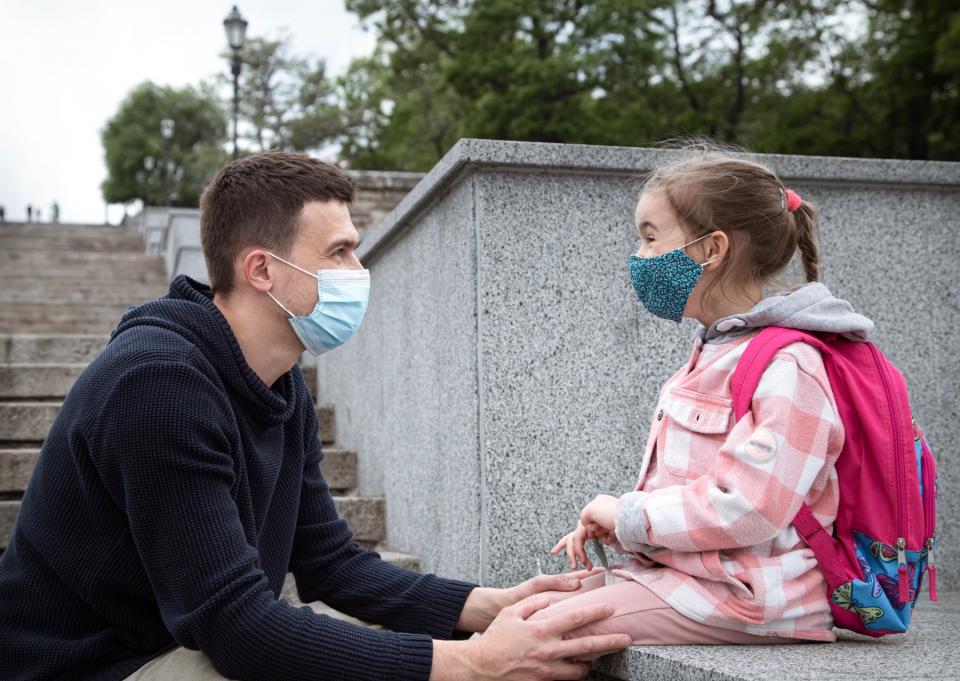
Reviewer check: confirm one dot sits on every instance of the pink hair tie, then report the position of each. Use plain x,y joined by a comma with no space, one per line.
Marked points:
793,201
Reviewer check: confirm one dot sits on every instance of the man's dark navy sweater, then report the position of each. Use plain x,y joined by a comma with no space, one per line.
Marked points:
173,493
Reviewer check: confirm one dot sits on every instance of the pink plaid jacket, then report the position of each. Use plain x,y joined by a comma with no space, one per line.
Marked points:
709,524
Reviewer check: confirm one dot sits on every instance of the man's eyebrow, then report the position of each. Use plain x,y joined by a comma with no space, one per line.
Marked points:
340,243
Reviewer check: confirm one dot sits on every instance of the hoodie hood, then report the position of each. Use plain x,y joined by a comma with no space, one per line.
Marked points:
188,310
810,307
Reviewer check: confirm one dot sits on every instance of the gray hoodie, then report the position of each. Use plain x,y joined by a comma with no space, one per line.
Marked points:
810,307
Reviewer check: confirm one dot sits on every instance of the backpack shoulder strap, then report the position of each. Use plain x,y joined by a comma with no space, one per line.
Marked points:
746,377
755,359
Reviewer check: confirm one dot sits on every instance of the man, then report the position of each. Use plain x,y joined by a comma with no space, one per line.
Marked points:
180,482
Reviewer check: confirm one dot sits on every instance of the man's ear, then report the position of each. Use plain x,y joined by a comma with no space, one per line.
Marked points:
715,248
255,269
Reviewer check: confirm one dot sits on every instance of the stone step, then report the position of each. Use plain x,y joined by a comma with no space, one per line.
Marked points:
38,381
364,515
50,349
339,467
126,267
927,652
42,291
25,422
34,229
121,241
29,422
16,466
54,318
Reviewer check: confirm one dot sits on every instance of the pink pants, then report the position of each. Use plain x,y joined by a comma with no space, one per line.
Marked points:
647,618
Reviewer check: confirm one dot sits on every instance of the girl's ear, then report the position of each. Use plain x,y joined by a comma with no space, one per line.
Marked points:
715,249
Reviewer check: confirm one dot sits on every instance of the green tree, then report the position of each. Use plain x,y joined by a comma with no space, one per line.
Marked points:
286,101
598,71
163,145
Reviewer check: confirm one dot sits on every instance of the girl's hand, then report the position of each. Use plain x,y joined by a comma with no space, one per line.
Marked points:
599,517
573,543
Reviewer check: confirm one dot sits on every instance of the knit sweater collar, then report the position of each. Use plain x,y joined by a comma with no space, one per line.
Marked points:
188,309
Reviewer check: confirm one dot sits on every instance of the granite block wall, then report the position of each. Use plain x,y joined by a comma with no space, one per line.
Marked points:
506,374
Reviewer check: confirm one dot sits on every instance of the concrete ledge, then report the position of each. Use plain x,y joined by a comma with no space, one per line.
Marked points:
632,161
928,651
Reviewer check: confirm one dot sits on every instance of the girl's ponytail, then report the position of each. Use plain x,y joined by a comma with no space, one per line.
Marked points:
805,219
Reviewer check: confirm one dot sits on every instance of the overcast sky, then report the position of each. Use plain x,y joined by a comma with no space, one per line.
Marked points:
65,66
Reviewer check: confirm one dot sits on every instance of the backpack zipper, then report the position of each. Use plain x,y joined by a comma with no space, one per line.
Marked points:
903,582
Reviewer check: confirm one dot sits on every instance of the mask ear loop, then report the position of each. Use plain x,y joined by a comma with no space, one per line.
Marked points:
284,307
296,267
704,264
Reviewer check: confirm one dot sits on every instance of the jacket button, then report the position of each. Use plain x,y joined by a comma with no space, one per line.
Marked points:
660,415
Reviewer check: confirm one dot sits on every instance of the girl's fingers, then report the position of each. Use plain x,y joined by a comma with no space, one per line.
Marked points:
571,555
581,553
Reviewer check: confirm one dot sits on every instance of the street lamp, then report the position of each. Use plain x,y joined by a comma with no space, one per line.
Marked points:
236,28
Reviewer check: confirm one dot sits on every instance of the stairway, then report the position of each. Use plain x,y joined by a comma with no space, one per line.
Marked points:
62,290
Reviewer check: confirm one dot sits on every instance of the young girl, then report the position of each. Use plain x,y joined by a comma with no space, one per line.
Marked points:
714,557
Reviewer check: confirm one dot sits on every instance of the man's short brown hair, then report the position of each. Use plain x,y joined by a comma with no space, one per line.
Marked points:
257,201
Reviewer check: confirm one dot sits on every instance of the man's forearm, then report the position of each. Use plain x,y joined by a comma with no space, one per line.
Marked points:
480,608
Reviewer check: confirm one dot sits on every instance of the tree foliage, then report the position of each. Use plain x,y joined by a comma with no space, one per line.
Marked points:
286,102
852,77
163,145
832,77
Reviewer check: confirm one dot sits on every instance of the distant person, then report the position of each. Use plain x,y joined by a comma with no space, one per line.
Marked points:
29,213
3,214
39,217
55,212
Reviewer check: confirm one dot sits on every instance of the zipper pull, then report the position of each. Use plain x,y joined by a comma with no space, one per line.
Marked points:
902,580
932,569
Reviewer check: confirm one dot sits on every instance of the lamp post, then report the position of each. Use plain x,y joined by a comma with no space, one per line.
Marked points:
236,28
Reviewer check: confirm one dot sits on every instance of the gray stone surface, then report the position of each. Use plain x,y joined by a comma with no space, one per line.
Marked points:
364,515
26,421
505,372
16,466
37,380
406,397
927,652
50,349
339,468
30,421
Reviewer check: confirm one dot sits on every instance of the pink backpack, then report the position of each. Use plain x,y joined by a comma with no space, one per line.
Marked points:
884,536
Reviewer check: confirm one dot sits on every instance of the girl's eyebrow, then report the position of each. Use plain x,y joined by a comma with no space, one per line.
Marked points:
647,223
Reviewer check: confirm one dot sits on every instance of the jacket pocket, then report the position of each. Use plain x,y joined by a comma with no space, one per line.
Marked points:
697,426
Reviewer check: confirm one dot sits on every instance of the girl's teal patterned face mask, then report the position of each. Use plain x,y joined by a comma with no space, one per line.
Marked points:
664,282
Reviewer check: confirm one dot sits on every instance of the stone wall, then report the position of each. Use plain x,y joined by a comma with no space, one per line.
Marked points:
505,373
378,193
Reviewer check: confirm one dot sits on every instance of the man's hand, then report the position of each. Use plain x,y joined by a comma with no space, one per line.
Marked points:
484,604
516,649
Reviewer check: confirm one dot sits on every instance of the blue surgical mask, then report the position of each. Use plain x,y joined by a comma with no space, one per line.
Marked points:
342,297
664,282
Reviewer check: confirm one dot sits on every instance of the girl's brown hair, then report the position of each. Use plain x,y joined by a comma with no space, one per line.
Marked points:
711,190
